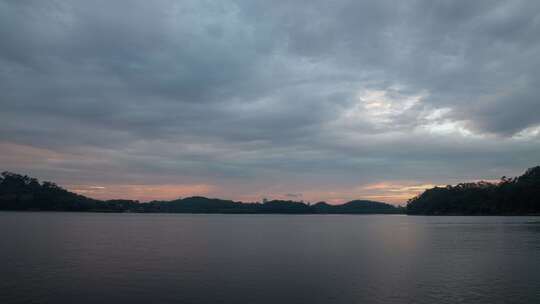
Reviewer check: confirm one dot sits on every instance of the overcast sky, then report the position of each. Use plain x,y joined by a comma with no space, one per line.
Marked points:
313,100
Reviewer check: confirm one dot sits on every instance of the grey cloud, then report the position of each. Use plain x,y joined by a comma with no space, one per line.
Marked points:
269,91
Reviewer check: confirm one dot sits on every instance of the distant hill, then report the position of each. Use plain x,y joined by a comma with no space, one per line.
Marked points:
357,207
20,192
520,195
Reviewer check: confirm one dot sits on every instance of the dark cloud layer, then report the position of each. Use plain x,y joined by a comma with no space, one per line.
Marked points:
262,98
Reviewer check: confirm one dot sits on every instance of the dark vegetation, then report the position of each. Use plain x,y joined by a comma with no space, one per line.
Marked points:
511,196
357,206
20,192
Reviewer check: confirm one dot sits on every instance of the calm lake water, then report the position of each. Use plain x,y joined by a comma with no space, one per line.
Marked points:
176,258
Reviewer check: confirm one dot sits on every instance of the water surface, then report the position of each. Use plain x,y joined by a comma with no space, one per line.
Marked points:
180,258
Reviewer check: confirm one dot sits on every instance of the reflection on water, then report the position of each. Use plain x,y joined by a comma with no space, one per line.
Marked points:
174,258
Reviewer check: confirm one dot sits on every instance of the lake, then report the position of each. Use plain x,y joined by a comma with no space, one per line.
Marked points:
194,258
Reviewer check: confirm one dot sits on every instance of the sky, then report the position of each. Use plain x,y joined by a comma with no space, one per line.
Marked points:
250,99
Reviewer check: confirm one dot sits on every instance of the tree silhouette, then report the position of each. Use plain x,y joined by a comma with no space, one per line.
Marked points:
520,195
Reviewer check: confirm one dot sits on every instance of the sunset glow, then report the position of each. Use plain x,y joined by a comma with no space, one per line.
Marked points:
141,192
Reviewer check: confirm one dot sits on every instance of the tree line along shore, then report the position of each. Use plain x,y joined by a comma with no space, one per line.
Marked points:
511,196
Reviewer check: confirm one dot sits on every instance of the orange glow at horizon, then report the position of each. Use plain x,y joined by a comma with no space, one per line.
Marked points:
142,192
389,192
393,192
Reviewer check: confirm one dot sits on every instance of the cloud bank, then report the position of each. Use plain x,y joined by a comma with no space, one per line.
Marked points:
252,99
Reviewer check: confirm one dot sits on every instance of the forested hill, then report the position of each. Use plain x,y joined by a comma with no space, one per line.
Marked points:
18,192
511,196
